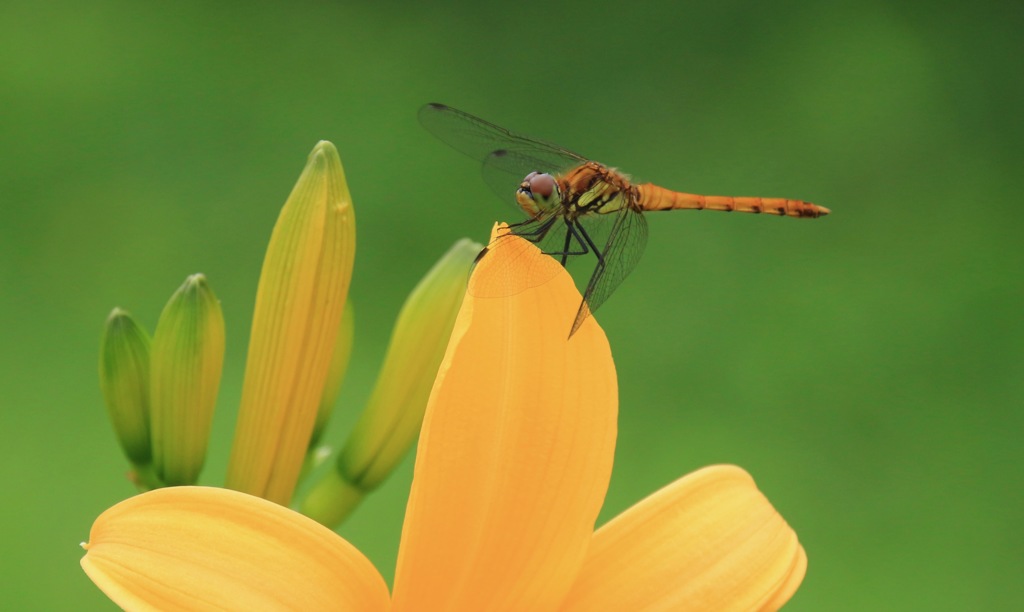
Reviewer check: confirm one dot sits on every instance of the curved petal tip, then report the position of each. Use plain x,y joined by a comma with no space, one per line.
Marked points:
206,548
709,541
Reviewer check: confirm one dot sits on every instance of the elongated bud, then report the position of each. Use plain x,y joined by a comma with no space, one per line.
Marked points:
185,369
302,290
124,381
391,421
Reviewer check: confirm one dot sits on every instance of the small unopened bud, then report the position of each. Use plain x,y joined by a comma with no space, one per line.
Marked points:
186,361
124,381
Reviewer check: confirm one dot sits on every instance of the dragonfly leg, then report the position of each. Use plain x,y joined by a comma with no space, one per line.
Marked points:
567,250
588,242
535,234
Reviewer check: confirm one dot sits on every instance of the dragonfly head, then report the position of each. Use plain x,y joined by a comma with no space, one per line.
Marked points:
538,193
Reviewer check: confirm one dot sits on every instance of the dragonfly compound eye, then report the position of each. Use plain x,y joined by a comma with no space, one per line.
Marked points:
541,185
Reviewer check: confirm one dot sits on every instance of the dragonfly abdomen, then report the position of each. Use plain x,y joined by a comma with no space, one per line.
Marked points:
653,197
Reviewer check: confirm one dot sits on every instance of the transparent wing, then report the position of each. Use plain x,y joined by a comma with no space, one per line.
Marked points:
507,157
622,249
477,138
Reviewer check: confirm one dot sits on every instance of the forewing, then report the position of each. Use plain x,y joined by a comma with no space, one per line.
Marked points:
507,157
477,138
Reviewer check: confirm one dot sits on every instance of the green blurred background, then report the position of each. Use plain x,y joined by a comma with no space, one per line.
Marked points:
866,368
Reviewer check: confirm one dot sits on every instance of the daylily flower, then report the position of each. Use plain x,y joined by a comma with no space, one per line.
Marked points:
512,467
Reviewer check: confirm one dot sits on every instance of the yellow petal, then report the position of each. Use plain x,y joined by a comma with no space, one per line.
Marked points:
199,548
709,541
514,457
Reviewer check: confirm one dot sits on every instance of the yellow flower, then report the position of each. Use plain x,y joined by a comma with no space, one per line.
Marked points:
512,467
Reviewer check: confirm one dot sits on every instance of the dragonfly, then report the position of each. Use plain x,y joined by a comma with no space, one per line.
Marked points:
575,208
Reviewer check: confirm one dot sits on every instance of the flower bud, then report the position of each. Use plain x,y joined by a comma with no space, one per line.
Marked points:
302,290
391,420
186,361
124,381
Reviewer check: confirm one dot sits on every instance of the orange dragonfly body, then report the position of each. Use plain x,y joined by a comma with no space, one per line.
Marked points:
575,206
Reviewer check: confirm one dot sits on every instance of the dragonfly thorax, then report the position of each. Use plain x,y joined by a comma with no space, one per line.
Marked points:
594,188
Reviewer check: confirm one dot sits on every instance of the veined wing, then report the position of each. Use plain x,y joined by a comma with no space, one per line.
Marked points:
621,252
478,139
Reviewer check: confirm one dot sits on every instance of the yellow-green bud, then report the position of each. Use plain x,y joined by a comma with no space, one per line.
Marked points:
186,361
302,290
124,381
391,420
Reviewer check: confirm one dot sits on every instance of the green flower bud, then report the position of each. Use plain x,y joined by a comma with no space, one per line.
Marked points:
391,421
186,361
124,381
